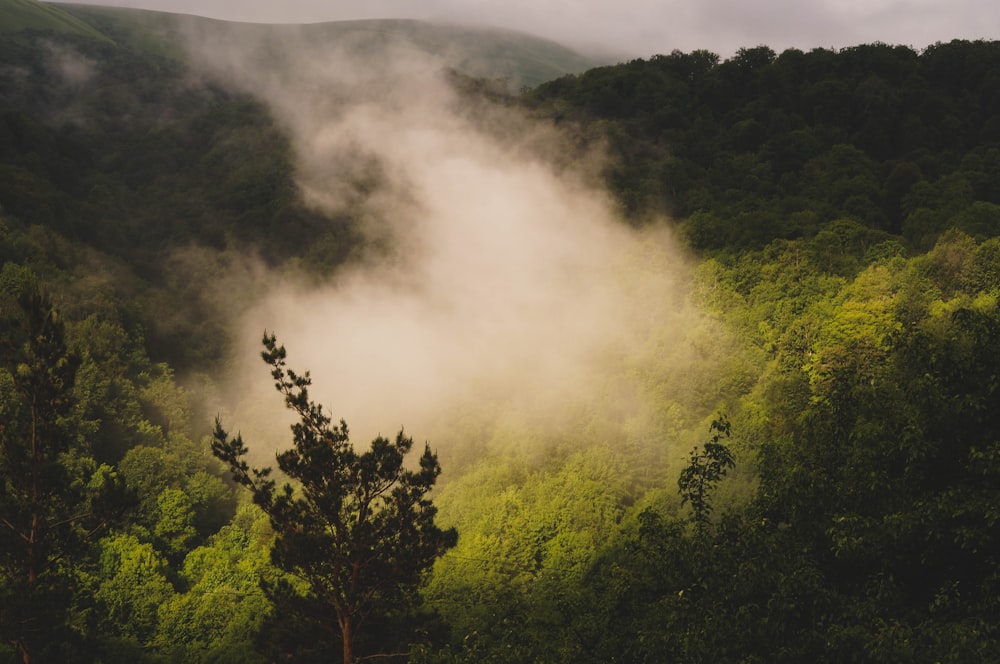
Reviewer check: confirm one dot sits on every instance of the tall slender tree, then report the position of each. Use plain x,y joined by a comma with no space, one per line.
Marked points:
358,528
52,495
704,471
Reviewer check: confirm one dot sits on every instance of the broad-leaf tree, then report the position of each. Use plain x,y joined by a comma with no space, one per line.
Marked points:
358,528
704,471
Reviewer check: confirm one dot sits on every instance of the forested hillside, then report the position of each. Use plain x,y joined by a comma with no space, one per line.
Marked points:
766,146
801,462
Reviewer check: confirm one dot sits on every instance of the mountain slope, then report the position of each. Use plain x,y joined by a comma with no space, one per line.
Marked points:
522,59
18,15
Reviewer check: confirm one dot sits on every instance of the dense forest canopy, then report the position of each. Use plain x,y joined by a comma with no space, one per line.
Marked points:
899,141
787,450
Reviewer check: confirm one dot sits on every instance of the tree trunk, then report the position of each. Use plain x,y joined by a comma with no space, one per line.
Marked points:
347,632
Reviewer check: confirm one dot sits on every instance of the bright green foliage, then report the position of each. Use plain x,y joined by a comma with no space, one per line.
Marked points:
872,535
871,470
133,587
359,529
528,542
174,527
845,203
225,606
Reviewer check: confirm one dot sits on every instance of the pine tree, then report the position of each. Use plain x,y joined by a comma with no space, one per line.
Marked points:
53,497
358,528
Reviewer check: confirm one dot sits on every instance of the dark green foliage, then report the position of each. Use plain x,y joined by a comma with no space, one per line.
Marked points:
118,150
740,149
53,496
704,470
872,536
358,528
886,485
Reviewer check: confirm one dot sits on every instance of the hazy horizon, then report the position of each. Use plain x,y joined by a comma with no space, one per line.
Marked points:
640,28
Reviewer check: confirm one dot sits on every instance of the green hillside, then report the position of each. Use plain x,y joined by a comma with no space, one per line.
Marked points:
804,469
18,15
522,59
480,52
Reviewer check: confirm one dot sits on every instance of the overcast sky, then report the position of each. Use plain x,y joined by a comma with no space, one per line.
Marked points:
645,27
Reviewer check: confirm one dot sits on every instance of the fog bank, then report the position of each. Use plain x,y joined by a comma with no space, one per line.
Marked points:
496,276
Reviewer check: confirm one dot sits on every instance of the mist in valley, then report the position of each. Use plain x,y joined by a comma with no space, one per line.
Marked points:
762,429
497,289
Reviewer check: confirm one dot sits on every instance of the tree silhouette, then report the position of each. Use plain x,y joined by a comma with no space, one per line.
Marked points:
358,528
704,471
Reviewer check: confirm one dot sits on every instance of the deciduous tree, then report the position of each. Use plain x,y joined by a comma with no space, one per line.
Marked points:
704,471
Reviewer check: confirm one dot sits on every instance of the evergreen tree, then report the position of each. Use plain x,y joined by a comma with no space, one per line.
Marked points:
358,528
53,497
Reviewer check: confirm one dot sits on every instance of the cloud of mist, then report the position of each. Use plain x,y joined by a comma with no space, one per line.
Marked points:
496,275
71,68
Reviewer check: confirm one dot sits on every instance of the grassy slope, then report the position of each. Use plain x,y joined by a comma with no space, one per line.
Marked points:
18,15
149,31
522,59
490,53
